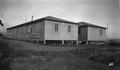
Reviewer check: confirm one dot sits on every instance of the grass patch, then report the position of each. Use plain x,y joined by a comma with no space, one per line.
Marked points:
26,56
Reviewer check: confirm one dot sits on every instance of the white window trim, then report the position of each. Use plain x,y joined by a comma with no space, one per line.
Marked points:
29,28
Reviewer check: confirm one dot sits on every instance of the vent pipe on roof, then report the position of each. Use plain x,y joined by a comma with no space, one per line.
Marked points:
32,18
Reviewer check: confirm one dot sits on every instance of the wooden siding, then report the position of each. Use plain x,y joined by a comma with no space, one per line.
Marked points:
37,31
62,33
82,36
94,34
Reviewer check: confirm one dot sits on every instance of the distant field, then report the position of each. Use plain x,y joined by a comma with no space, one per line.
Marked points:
43,57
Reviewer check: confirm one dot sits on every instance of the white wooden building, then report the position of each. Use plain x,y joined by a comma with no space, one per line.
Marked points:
52,29
45,29
90,33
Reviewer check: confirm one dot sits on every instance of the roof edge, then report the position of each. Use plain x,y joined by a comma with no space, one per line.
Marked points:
91,25
44,18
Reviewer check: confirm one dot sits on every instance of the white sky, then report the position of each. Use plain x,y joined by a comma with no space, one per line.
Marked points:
99,12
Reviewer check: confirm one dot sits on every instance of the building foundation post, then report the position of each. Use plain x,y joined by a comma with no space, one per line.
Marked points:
37,41
44,41
62,42
90,42
87,42
77,42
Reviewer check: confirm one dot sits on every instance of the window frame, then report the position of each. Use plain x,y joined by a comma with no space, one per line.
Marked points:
56,29
69,28
101,32
29,29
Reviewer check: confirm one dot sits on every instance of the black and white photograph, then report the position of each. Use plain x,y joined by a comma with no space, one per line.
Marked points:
59,34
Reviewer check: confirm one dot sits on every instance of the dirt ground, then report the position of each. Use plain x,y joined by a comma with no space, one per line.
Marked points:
29,56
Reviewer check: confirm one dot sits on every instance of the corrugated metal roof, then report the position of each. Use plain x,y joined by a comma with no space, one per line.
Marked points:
89,24
44,18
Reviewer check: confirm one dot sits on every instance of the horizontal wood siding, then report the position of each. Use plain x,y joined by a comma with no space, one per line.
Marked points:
37,31
62,34
94,34
22,32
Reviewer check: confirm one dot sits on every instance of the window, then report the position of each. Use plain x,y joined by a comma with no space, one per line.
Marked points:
56,27
100,32
29,29
69,28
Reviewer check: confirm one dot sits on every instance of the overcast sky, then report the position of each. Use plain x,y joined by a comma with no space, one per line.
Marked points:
99,12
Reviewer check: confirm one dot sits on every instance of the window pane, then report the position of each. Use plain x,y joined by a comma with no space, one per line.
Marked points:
29,29
100,32
69,28
56,27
